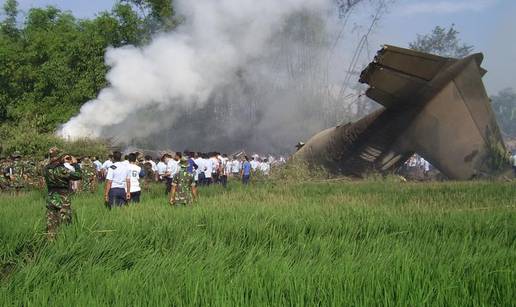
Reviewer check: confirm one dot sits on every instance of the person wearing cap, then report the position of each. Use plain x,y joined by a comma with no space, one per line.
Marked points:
57,179
89,174
184,189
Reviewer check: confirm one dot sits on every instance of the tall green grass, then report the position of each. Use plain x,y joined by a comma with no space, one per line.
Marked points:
328,244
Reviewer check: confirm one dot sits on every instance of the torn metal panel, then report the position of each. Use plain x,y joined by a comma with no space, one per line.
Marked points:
434,106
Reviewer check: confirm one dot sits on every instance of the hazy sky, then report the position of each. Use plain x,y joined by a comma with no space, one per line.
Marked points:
489,25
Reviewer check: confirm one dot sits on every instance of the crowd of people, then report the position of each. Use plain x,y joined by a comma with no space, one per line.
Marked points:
126,176
196,169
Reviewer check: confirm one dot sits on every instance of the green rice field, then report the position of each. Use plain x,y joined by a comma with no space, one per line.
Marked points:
333,243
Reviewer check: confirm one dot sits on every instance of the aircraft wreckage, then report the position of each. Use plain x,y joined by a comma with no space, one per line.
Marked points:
434,106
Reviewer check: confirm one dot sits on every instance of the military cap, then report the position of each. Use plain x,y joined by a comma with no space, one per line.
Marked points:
183,162
55,153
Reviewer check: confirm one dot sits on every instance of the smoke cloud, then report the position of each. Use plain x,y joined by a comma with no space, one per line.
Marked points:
237,74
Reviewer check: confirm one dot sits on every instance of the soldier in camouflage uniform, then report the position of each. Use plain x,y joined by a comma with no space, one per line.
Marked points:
15,172
30,173
58,177
184,190
4,179
89,176
149,174
40,168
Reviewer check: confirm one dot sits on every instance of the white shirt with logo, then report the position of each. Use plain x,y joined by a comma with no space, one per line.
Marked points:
134,171
118,173
107,164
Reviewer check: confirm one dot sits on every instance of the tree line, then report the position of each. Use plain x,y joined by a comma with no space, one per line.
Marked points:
52,62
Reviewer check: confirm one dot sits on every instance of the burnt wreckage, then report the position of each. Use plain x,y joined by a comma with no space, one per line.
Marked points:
434,106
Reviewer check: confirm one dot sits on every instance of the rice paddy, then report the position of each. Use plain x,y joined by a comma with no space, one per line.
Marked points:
297,244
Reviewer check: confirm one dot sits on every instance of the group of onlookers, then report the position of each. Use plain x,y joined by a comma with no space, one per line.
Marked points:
123,175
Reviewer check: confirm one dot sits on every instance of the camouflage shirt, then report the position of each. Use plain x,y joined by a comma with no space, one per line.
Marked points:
57,176
149,173
183,181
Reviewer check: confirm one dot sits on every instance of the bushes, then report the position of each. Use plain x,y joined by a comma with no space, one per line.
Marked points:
26,140
298,170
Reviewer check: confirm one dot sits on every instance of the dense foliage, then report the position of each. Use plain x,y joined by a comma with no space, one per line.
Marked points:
504,106
296,244
442,41
52,63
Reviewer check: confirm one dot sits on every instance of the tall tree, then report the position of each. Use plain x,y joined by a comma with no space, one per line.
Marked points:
8,25
158,15
504,106
56,63
442,41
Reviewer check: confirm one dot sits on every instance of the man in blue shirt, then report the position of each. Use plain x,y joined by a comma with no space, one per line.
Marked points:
246,171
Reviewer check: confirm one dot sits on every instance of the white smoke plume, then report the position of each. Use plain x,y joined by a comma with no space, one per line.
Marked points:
235,74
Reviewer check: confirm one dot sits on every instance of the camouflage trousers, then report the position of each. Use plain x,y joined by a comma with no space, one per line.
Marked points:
59,211
89,185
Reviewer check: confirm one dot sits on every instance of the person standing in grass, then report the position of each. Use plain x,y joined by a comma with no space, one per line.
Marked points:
513,163
161,168
118,182
225,170
57,178
236,166
105,166
184,189
136,173
246,171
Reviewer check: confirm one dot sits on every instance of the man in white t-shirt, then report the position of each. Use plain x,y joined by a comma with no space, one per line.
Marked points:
126,159
118,183
97,163
106,165
513,163
215,164
265,167
172,169
136,173
208,166
161,168
255,163
199,172
224,169
235,167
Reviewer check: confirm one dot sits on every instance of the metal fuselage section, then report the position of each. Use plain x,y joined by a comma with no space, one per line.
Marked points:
434,106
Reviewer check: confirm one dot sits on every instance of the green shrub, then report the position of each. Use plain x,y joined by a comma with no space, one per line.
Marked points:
298,170
28,142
